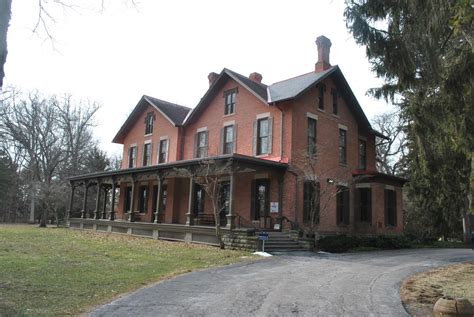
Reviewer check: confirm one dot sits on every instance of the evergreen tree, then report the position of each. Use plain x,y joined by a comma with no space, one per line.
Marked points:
423,50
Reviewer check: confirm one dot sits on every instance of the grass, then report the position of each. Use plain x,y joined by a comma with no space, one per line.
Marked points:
57,271
420,292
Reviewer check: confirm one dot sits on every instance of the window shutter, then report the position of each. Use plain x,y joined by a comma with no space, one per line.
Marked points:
167,150
207,144
254,141
252,199
234,144
346,205
394,207
221,144
129,156
270,134
150,155
369,204
195,145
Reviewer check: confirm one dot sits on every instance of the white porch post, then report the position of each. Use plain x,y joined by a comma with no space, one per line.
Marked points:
97,202
158,200
132,201
189,214
84,204
112,202
230,215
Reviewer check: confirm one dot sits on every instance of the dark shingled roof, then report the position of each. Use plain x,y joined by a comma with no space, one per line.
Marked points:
258,88
173,112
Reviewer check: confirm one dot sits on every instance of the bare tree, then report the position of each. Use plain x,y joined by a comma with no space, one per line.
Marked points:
41,128
209,175
390,154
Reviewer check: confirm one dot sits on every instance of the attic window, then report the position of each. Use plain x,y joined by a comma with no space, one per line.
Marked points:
229,97
149,119
322,89
335,109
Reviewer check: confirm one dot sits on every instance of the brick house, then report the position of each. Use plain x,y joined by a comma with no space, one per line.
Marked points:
286,143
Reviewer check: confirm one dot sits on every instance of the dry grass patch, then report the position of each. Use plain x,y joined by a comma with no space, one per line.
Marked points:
420,292
57,271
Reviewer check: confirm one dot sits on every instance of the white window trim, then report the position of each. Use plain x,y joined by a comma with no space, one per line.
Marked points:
228,123
345,184
159,150
164,137
263,115
201,129
312,115
342,127
363,185
147,141
389,187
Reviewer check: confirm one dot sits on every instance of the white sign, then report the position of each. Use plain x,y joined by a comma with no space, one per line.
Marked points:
274,207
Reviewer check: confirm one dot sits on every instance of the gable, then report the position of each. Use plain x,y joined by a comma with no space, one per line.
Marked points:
173,113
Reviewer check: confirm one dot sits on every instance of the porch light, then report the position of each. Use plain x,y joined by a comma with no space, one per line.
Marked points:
330,181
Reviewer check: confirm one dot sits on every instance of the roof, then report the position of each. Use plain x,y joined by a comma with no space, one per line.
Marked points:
259,90
237,158
296,86
377,177
174,113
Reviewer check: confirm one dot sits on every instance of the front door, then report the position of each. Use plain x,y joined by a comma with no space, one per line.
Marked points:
224,200
262,204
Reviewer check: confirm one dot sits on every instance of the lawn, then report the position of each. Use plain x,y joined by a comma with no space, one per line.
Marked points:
420,292
58,271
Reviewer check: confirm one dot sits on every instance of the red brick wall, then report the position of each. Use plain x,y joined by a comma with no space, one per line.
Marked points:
161,127
246,109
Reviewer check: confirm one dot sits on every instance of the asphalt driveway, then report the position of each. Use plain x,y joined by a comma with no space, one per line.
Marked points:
361,284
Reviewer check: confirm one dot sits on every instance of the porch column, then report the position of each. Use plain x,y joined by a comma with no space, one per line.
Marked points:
132,202
190,214
158,200
104,209
71,202
112,203
97,202
84,205
230,216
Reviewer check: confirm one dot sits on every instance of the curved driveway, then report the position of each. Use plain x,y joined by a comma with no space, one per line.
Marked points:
361,284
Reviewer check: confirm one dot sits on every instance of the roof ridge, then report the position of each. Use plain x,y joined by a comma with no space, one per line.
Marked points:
283,80
168,102
246,77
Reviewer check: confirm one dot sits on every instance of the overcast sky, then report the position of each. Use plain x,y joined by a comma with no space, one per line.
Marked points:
166,49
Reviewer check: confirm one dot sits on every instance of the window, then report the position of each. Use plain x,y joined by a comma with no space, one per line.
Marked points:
147,154
362,155
311,137
143,199
163,151
322,89
230,102
334,102
342,146
201,144
342,205
128,199
262,136
228,139
260,198
390,208
132,156
311,201
150,117
198,200
364,199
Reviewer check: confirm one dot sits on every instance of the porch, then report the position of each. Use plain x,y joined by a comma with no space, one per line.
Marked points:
167,202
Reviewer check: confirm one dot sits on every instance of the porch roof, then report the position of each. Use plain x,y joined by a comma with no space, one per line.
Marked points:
235,158
377,177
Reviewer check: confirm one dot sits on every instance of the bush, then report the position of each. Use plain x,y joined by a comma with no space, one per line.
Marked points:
343,243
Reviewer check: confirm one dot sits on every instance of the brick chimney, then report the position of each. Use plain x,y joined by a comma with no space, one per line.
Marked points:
324,47
256,77
212,78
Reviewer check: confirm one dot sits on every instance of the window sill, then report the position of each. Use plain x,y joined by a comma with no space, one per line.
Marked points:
149,134
229,115
321,110
335,116
343,164
262,155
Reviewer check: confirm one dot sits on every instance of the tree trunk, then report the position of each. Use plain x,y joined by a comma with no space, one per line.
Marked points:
32,206
5,14
466,221
217,220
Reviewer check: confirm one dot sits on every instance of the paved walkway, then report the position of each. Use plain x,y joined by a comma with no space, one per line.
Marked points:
361,284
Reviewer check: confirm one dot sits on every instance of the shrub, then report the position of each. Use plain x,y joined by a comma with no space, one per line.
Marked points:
343,243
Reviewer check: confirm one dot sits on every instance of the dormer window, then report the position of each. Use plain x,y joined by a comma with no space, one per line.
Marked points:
149,119
322,89
229,97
